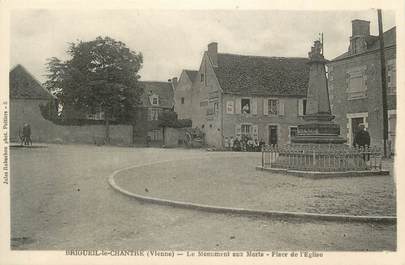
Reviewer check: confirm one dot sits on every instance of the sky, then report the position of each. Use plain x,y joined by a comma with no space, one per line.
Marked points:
172,40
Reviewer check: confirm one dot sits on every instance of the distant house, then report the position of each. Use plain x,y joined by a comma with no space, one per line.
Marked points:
157,98
26,96
182,93
355,84
235,95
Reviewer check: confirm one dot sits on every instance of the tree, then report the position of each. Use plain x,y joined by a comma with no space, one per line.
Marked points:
101,75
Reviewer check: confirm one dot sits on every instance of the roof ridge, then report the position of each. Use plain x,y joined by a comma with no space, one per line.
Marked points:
151,81
262,56
34,78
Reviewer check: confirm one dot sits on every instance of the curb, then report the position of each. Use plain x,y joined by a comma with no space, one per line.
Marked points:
242,211
326,174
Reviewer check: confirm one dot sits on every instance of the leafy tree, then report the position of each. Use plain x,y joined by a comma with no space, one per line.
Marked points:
101,75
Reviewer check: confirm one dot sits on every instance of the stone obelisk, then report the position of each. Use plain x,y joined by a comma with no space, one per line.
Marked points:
318,126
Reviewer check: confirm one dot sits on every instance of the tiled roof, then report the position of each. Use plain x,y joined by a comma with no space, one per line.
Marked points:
256,75
191,74
373,43
24,86
163,89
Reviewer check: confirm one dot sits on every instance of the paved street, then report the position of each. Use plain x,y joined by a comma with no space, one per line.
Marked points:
231,181
60,199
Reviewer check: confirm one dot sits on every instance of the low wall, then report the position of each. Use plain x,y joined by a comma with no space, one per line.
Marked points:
42,130
172,136
93,134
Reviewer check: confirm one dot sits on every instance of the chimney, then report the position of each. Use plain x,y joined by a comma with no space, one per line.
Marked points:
174,82
360,28
213,53
360,34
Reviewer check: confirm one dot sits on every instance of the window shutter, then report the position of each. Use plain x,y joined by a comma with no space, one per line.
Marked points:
265,106
254,106
238,105
281,107
255,131
300,107
237,130
229,107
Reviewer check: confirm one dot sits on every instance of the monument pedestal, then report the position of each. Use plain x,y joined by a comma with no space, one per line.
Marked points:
319,129
318,146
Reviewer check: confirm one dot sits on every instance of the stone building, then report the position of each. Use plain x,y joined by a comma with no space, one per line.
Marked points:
182,93
355,88
234,95
26,97
157,97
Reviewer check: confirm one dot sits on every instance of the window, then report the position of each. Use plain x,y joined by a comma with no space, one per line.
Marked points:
356,84
245,105
246,129
155,101
273,106
202,77
229,107
391,77
182,100
292,133
216,107
153,114
302,106
155,135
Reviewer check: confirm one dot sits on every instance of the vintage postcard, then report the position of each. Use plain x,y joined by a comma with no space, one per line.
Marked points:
232,132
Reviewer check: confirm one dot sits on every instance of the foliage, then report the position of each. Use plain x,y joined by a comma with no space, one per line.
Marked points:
169,119
50,111
101,75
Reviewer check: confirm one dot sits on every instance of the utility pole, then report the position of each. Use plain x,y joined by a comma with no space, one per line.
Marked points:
383,82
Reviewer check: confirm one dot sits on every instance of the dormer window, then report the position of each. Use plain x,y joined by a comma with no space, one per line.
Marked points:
154,100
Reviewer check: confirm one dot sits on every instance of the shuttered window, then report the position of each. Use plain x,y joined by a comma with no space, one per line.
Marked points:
302,106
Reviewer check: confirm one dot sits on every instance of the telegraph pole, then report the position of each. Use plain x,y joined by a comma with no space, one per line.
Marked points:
383,82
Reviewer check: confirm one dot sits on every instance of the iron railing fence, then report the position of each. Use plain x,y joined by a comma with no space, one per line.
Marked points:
324,158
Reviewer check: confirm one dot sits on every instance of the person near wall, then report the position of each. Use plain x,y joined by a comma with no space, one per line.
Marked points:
27,134
236,144
250,144
261,144
226,143
231,141
362,139
257,146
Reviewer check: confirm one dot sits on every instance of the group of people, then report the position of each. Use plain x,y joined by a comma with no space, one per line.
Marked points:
244,143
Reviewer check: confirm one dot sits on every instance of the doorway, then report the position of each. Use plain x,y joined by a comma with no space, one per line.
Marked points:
355,122
273,137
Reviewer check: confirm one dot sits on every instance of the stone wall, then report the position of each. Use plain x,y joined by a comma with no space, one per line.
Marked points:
183,90
290,118
369,106
28,111
205,94
173,137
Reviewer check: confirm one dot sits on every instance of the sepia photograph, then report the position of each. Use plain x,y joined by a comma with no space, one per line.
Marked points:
201,133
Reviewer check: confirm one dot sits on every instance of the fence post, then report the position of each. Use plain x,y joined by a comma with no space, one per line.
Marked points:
262,157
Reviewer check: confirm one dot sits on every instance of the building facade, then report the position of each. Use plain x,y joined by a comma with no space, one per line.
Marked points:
182,93
157,98
260,97
355,87
26,97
